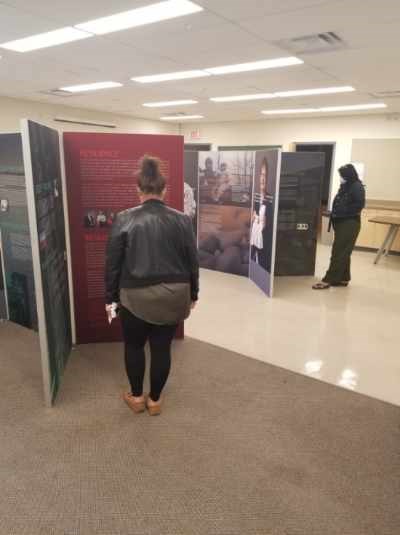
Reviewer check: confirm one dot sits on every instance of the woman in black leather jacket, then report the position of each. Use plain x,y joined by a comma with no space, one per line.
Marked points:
346,221
152,276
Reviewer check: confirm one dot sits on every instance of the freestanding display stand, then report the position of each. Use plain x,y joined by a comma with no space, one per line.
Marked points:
264,219
237,214
299,213
101,181
17,298
47,230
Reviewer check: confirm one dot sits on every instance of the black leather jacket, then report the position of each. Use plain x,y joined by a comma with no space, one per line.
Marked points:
149,245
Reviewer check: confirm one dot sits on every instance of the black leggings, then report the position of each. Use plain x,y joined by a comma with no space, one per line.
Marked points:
136,333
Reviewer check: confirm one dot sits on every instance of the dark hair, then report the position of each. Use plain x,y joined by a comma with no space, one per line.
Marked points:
348,172
257,181
150,180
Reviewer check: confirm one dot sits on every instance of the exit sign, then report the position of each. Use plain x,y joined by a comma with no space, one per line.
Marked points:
195,134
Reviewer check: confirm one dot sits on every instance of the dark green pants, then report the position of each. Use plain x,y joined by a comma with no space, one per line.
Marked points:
346,233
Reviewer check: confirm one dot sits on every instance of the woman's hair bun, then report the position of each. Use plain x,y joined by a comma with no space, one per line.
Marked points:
150,180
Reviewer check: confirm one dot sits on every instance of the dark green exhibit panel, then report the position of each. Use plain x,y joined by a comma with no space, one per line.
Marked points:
47,230
17,279
3,300
299,213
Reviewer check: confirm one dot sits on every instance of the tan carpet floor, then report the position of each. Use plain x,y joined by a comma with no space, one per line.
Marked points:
242,448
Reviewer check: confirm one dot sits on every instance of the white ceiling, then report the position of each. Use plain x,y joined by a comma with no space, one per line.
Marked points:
226,32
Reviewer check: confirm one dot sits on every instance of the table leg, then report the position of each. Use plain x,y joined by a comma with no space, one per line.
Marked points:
389,245
385,243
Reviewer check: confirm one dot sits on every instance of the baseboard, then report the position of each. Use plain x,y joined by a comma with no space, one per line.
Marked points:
374,250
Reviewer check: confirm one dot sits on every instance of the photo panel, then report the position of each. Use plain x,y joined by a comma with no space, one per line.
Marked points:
264,219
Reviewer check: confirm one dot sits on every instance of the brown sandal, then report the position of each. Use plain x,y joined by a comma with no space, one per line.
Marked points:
136,406
321,286
154,410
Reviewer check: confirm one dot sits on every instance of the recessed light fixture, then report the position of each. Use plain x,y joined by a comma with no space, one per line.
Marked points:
181,75
181,117
44,40
355,107
90,87
285,94
169,103
141,16
256,65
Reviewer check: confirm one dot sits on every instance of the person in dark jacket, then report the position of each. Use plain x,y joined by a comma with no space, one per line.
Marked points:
346,222
152,276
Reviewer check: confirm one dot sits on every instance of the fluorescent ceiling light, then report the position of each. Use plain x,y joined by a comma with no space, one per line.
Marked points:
281,112
239,98
169,103
181,118
169,9
256,65
311,92
285,94
44,40
242,67
182,75
90,87
356,107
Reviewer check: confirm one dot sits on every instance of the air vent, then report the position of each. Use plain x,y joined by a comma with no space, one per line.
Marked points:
318,43
58,93
386,94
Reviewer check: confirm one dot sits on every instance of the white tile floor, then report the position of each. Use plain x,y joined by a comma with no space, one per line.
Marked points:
345,336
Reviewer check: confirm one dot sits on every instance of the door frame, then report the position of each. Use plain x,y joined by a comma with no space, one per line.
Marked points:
333,143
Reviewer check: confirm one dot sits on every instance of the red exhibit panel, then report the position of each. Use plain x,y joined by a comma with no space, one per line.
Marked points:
101,181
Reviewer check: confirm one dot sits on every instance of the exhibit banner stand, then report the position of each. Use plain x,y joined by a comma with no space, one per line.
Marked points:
3,293
191,187
101,179
299,213
18,282
264,219
225,193
47,229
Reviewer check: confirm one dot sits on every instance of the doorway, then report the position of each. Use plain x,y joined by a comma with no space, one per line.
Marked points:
329,150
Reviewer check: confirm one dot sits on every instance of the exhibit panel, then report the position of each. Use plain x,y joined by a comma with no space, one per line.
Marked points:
191,187
299,213
48,242
3,295
225,191
264,219
101,181
17,264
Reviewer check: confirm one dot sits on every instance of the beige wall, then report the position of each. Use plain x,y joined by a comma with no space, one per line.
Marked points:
12,110
284,132
381,158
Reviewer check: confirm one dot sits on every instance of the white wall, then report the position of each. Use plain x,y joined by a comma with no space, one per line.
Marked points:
285,132
12,110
